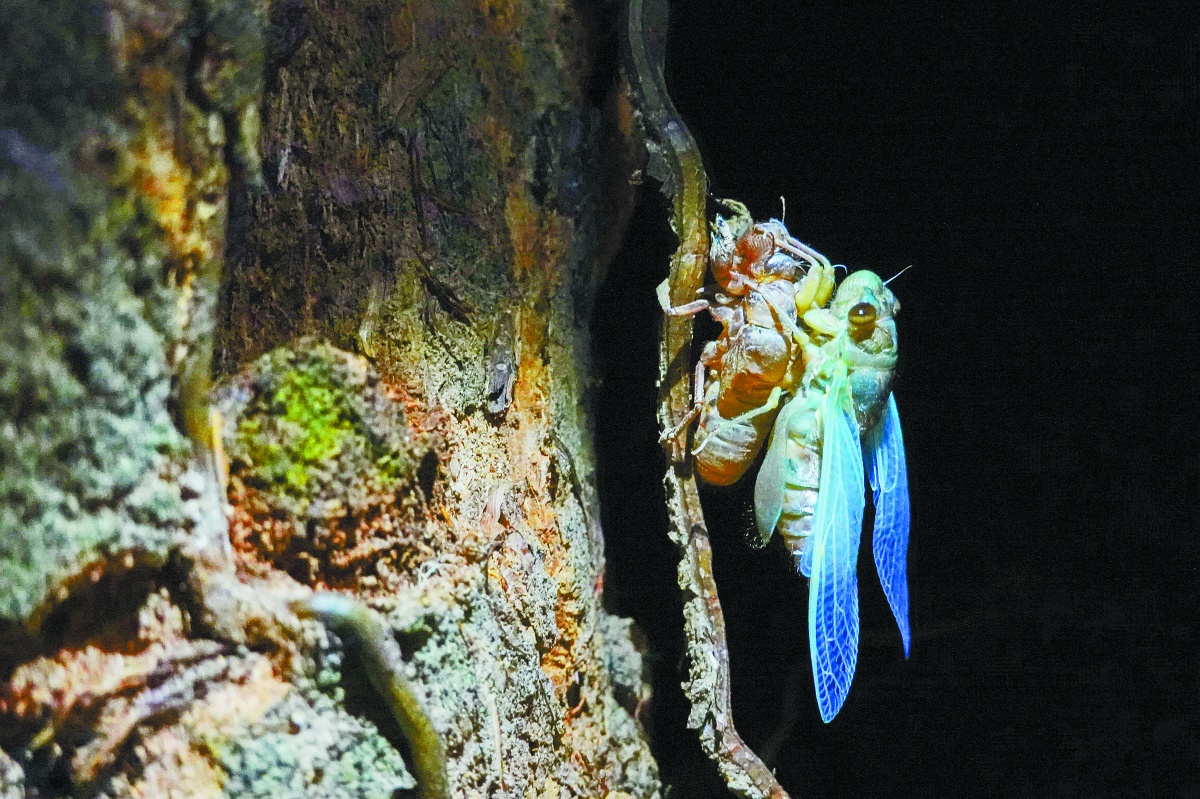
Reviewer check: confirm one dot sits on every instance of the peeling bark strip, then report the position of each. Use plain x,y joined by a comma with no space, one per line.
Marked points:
675,163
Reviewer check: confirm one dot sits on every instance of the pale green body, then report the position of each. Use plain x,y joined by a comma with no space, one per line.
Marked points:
836,355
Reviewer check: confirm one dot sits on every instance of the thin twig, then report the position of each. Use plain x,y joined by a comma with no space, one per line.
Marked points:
675,161
381,660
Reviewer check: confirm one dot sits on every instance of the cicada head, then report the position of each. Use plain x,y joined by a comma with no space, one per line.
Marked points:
723,240
868,308
864,286
720,250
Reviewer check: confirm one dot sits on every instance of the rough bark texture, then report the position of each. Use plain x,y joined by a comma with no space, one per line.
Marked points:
402,404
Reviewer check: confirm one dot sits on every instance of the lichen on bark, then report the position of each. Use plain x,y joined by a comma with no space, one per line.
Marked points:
403,406
453,244
110,223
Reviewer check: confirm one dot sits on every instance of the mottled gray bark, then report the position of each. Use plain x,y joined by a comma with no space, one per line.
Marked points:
411,203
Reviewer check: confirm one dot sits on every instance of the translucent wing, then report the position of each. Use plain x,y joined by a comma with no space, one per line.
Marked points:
806,560
772,475
883,453
881,465
837,529
872,460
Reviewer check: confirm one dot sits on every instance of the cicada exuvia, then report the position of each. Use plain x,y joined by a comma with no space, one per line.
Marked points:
766,280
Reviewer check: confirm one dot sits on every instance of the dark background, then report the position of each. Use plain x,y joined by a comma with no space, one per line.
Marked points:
1038,166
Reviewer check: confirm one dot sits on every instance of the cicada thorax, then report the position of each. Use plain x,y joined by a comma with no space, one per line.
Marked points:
760,352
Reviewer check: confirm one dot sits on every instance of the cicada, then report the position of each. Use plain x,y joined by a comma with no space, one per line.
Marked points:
767,280
841,427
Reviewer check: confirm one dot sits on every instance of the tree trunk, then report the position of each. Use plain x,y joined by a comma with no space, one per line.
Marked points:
412,204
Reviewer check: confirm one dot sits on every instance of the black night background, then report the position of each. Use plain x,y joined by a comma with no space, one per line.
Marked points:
1037,165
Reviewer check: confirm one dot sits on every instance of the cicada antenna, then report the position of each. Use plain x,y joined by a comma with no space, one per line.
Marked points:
898,274
783,209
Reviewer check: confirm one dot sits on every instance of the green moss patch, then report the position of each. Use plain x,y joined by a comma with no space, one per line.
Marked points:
315,424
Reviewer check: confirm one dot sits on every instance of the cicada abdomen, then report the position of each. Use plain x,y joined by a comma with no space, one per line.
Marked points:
725,447
792,472
840,428
760,354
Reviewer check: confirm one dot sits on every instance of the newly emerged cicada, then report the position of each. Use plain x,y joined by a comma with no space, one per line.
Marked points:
840,426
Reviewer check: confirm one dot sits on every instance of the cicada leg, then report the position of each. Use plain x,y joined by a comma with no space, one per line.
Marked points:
815,289
767,407
823,322
784,321
698,391
663,291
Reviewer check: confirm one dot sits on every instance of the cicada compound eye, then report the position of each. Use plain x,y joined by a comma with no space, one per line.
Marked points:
862,321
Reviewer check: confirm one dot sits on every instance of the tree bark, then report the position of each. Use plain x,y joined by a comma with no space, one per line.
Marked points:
412,204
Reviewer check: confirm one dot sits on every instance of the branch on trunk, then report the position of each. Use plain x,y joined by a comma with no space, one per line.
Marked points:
675,162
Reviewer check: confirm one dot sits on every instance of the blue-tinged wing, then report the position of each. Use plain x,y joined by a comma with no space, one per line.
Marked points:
837,529
883,453
872,456
772,475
